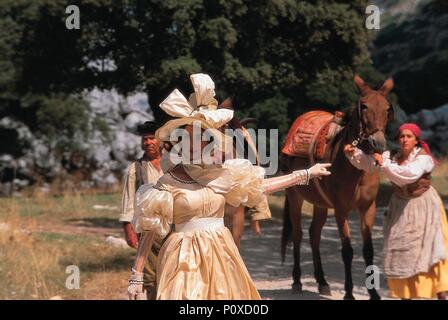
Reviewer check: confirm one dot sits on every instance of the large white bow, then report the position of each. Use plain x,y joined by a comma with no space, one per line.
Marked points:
202,104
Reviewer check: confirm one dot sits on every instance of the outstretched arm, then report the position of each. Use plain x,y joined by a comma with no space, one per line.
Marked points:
135,288
298,177
359,159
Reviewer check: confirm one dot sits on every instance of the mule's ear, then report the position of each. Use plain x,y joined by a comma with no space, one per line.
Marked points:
387,87
226,104
362,86
247,121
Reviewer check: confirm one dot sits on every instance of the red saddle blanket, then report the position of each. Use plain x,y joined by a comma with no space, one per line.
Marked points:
312,125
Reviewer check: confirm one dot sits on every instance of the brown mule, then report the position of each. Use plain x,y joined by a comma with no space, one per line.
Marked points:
347,188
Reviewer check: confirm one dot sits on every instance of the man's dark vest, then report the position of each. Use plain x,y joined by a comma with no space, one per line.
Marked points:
138,174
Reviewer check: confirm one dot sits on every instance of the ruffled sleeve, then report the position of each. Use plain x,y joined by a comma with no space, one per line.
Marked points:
247,181
153,209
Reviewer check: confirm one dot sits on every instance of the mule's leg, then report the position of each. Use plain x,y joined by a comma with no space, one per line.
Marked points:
238,225
367,215
346,252
315,231
295,202
441,295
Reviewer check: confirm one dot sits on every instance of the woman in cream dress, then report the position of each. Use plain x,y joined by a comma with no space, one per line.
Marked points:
200,260
415,225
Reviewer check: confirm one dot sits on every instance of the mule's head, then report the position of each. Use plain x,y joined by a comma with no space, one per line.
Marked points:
247,143
235,122
374,111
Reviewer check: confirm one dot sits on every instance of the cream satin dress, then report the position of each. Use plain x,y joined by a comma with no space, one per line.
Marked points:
199,260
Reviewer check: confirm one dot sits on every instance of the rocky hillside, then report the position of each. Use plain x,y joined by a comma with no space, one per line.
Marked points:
105,154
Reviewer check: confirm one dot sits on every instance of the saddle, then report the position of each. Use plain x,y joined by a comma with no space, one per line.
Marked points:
312,132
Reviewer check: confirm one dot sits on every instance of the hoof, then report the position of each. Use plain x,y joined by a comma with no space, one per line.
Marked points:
349,296
375,296
324,289
297,288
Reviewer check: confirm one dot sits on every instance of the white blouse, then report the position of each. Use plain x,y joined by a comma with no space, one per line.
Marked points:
401,174
149,175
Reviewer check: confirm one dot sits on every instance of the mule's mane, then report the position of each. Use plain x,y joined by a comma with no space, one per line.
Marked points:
227,104
348,115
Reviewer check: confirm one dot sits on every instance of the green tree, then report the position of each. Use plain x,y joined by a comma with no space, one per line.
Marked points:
414,49
254,50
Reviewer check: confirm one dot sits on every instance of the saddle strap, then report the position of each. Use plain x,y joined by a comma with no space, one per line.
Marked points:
313,162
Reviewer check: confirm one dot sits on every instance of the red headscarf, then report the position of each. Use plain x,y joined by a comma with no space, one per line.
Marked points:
415,129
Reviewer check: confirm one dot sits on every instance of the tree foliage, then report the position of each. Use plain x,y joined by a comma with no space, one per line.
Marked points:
270,55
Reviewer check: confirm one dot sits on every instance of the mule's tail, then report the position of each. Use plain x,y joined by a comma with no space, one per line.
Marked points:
287,229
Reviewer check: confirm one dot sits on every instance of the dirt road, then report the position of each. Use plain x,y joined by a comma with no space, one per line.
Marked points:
262,257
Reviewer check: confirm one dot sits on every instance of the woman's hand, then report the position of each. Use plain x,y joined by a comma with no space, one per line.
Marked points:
319,170
135,288
378,159
349,149
297,177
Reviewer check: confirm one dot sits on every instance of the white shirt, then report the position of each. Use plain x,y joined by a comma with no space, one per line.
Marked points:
401,174
149,175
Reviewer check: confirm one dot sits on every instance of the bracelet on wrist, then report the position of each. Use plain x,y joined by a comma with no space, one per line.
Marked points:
133,281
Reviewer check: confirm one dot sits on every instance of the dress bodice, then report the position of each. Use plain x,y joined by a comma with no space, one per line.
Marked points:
191,200
172,200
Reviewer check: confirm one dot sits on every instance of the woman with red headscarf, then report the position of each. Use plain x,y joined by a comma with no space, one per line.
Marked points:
415,224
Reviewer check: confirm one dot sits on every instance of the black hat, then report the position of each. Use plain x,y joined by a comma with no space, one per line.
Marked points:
148,127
